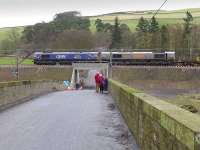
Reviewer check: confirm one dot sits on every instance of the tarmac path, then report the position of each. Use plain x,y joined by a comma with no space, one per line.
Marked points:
68,120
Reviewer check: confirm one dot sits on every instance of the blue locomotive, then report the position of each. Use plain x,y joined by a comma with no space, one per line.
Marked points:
133,58
43,58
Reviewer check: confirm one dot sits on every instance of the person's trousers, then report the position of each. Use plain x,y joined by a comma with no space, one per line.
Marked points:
97,87
101,88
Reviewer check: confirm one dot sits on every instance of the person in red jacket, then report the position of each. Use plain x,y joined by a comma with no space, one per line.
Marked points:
97,81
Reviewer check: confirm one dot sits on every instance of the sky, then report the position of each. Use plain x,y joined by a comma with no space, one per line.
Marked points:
28,12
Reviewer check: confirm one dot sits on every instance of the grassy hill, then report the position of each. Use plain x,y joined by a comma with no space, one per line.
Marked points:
131,18
4,32
164,17
148,14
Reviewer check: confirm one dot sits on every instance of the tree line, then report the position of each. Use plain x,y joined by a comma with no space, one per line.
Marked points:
69,30
182,38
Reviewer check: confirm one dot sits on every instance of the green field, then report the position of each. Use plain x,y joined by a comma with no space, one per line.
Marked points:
130,18
12,61
148,14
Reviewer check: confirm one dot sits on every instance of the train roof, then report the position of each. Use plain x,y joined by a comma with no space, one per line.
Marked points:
61,53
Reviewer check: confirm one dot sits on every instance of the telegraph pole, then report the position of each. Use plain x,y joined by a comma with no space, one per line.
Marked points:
191,46
17,65
110,66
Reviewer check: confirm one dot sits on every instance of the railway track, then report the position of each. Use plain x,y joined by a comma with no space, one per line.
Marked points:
35,66
142,66
127,66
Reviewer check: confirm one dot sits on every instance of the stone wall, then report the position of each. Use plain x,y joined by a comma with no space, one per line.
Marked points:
164,82
12,93
36,73
156,124
127,73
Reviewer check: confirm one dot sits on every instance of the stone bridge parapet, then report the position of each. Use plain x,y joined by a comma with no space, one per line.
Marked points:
12,93
156,124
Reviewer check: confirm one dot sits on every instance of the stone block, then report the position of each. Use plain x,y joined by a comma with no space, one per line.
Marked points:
156,124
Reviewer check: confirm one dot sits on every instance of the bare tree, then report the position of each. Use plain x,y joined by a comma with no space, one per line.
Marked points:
14,37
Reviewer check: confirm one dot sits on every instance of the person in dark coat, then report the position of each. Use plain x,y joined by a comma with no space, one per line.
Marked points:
105,84
101,78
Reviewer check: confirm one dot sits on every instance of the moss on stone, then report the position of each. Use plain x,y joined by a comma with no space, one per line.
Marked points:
171,120
18,83
189,108
125,87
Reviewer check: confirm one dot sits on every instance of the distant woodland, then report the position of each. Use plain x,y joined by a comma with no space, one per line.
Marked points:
71,31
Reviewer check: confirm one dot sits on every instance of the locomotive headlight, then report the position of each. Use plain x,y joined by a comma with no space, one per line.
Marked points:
37,57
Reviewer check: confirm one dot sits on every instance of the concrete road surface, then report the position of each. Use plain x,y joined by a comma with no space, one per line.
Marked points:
75,120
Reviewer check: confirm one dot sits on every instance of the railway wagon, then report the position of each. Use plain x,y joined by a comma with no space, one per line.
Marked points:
118,58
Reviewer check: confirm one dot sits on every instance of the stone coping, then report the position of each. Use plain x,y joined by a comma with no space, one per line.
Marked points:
22,82
182,124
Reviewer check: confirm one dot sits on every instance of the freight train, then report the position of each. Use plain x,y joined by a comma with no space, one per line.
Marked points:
117,58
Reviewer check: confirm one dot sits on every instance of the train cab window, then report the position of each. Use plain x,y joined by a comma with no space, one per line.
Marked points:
45,56
117,56
159,56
